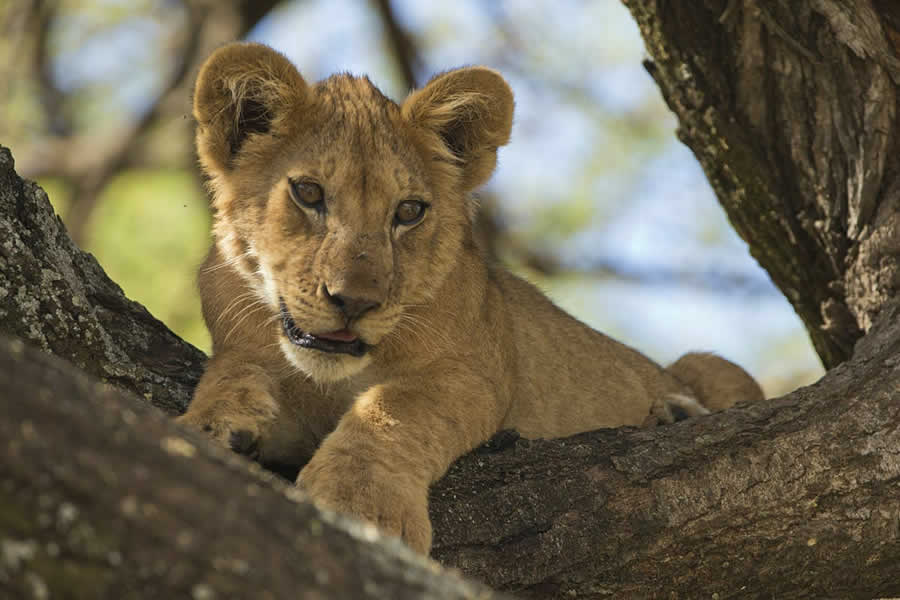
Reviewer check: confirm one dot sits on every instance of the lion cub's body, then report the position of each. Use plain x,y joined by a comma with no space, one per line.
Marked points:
356,324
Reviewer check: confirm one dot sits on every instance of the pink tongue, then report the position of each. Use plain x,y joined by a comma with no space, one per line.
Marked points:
342,335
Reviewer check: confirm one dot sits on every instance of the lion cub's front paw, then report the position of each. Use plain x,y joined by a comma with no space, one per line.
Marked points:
240,434
242,423
390,501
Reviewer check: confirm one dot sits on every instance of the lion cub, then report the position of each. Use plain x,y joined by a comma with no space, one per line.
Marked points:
356,324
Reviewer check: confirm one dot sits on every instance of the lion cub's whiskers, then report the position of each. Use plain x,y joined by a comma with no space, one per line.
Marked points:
227,262
242,315
427,328
417,330
226,312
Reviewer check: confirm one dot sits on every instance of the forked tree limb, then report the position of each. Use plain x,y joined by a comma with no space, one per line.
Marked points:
791,108
796,497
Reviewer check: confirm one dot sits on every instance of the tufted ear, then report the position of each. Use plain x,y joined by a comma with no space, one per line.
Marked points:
243,90
471,111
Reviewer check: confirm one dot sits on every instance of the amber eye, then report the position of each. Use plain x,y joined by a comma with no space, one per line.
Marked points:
307,194
409,212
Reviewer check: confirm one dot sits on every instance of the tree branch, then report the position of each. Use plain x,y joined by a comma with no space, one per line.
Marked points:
52,99
86,192
58,298
792,496
103,497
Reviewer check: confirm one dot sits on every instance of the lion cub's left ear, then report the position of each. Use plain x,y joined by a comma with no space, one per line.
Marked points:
244,90
471,110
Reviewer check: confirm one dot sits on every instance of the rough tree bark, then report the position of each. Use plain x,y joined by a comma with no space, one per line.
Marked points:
791,109
100,497
58,298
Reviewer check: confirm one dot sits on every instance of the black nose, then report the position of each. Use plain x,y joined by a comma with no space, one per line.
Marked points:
353,308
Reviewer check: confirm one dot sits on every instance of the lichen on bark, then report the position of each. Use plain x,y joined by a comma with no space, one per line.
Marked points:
58,298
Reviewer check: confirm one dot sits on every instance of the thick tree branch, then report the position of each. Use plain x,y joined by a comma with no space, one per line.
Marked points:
58,298
793,498
103,497
791,108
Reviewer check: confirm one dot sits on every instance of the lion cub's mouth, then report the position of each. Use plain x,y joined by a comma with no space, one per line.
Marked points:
342,341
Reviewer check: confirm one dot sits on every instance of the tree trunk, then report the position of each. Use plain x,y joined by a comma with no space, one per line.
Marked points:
790,108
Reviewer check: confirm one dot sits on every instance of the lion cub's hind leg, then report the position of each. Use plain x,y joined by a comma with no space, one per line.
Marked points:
713,382
674,407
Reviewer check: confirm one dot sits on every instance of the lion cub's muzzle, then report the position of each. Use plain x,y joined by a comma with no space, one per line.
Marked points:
342,341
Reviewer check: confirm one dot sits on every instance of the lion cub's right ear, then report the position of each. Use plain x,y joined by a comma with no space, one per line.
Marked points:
244,90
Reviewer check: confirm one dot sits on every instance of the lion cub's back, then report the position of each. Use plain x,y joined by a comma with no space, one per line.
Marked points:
563,376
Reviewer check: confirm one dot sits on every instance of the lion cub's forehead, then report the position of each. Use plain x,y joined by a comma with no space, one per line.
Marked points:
352,107
350,94
360,133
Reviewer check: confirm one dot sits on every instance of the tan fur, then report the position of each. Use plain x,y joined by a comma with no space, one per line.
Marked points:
460,348
718,383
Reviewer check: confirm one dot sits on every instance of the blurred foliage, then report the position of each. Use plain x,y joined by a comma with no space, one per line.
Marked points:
593,200
154,243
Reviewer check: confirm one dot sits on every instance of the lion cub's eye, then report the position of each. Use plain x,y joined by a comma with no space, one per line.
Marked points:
409,212
307,194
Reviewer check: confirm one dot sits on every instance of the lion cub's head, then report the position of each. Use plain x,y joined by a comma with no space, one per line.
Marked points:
340,207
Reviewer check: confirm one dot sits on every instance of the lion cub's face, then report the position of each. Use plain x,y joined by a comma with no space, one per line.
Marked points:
341,208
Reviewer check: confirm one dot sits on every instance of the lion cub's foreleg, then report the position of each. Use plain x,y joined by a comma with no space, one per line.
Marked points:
240,405
394,442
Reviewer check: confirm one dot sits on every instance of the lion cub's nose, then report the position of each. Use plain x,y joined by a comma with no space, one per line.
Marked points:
352,308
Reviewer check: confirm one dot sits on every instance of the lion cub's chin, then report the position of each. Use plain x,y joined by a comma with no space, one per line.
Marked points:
323,367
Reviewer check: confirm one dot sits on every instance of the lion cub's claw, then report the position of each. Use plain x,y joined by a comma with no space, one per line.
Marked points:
244,441
239,435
